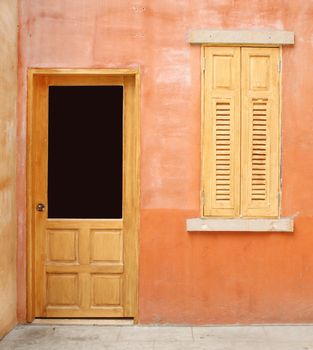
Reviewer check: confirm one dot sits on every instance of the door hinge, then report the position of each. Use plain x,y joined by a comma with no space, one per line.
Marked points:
203,65
202,198
279,66
202,202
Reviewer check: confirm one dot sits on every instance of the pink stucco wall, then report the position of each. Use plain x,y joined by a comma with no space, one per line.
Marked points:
188,277
8,96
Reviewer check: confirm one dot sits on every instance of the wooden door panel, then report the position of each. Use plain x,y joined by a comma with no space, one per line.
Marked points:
62,290
106,246
62,246
105,290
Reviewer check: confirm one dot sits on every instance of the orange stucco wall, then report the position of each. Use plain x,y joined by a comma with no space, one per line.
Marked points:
8,95
193,278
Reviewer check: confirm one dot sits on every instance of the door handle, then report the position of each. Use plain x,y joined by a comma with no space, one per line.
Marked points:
40,207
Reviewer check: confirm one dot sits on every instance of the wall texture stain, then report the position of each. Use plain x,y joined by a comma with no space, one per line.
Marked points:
188,277
8,96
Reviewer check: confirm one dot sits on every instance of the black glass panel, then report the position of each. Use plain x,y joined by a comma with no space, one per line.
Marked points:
85,152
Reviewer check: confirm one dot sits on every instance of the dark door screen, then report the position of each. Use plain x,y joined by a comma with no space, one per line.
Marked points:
85,152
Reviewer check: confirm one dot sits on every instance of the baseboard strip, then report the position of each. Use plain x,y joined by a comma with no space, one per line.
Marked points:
85,321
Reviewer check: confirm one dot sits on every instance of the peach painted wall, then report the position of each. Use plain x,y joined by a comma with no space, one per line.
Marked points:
194,278
8,96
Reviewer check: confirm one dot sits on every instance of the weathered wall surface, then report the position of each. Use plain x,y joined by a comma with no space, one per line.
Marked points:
8,95
189,277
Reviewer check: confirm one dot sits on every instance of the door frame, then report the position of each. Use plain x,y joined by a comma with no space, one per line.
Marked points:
131,168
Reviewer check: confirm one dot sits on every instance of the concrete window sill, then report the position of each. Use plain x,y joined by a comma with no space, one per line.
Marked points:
240,225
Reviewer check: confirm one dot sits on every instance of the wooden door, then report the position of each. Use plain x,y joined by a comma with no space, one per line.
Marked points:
81,267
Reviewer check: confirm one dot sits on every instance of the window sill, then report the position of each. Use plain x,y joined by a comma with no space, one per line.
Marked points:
240,225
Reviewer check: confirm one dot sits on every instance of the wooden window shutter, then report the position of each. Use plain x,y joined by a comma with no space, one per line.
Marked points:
221,132
260,132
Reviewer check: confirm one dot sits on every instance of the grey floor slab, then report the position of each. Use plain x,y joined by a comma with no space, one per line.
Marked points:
289,333
45,337
253,333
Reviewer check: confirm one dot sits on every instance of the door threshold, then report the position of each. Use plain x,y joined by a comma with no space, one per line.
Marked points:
84,321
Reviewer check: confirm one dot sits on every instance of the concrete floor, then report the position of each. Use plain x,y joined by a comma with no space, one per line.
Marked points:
44,337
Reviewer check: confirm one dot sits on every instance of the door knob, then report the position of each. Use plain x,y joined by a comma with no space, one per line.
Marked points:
40,207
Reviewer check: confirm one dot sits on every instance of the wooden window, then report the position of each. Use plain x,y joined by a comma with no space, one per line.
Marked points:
241,132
